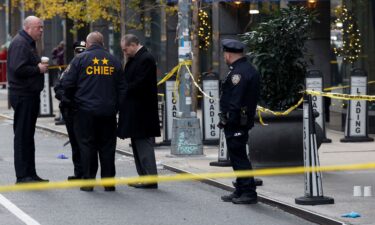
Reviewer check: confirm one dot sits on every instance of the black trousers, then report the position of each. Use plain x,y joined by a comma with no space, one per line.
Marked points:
237,153
26,109
144,156
68,115
96,135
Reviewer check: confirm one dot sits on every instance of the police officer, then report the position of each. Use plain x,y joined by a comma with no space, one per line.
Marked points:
67,112
238,101
93,82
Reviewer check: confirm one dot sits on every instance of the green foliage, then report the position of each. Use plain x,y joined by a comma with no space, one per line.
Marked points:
277,49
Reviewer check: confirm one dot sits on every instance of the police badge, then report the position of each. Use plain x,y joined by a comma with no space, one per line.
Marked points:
236,79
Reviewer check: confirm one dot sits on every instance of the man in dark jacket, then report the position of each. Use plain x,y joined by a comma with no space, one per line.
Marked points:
92,82
67,112
238,101
25,76
139,119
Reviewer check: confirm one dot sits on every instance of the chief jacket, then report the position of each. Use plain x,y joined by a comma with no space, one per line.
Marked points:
93,81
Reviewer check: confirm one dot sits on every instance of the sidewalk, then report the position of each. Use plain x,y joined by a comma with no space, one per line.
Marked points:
278,190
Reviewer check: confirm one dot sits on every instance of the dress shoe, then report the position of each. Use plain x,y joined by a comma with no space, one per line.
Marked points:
74,177
88,189
38,179
144,186
25,180
258,182
110,188
229,198
245,199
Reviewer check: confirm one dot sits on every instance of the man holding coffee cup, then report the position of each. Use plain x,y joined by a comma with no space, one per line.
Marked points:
25,77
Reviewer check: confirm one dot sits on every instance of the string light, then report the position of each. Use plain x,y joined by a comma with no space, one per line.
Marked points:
351,47
204,31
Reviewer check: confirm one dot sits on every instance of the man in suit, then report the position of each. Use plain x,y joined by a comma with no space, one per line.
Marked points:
26,80
138,118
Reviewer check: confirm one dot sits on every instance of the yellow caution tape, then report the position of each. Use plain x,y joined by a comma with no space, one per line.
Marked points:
342,87
342,96
174,70
182,177
261,109
60,67
197,85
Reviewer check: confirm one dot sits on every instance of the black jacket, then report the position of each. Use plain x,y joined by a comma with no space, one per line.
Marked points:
240,90
24,76
138,117
93,81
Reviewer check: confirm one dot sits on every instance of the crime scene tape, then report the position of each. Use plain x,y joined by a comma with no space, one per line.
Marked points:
57,67
197,85
174,70
261,110
342,96
182,177
342,87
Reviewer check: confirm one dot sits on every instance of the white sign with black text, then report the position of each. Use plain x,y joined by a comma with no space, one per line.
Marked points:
316,84
211,109
45,101
357,119
172,106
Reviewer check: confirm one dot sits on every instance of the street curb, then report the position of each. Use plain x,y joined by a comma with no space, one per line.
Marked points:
302,213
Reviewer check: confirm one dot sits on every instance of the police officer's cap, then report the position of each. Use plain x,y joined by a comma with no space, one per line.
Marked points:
79,46
232,45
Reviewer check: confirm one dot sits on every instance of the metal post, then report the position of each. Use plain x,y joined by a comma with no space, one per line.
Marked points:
186,136
356,129
313,180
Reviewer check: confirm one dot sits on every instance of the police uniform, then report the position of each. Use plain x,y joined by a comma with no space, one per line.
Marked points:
238,101
92,82
67,112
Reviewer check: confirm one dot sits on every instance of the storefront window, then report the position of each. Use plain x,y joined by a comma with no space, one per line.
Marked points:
352,46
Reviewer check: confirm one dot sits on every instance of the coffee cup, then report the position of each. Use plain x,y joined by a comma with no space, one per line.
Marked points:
44,59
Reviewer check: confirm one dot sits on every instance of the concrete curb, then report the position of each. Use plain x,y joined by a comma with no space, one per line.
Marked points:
300,212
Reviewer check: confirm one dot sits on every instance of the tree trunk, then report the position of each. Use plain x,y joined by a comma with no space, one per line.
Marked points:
195,59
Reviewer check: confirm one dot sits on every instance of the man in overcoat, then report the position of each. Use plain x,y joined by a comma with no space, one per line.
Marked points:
138,118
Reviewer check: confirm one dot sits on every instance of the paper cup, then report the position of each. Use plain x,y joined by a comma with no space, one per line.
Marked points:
44,59
357,191
367,192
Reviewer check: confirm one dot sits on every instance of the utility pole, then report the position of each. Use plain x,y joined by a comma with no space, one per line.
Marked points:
186,132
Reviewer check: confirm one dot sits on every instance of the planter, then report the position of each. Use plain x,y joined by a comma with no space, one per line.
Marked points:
279,144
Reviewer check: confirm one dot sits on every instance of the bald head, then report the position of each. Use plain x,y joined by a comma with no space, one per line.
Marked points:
33,26
94,38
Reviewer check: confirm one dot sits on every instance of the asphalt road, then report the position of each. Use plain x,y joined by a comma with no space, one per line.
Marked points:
173,203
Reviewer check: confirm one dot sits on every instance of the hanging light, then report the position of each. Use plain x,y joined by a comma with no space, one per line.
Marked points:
254,8
311,3
237,2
